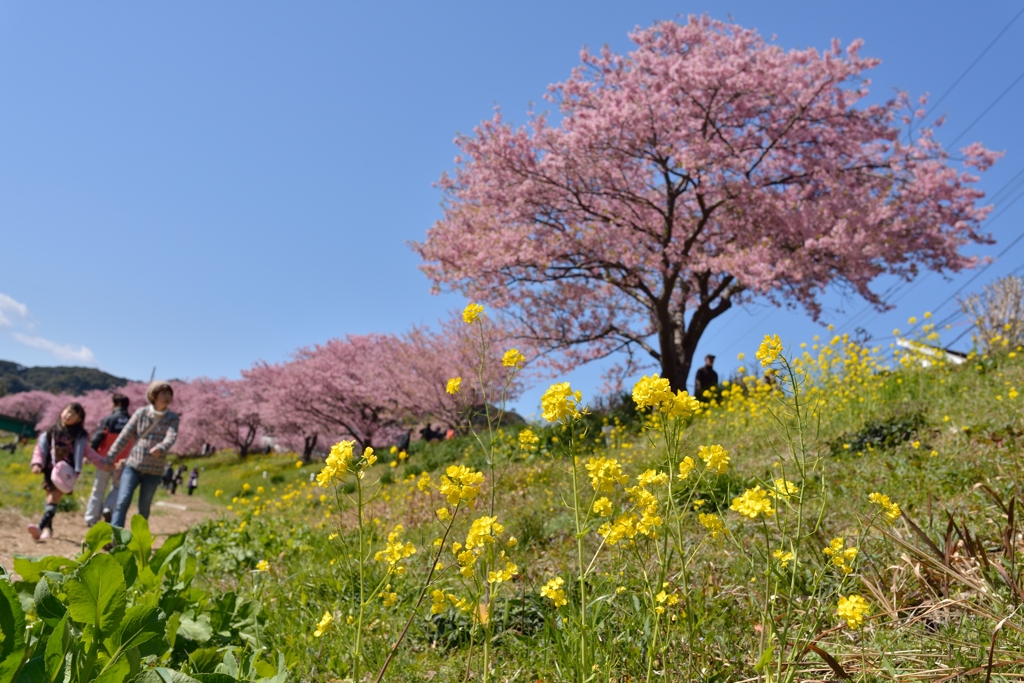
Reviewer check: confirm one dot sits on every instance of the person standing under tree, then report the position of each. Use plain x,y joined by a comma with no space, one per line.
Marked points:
104,437
706,379
154,429
193,480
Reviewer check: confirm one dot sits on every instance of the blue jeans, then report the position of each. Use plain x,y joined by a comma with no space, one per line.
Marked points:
130,480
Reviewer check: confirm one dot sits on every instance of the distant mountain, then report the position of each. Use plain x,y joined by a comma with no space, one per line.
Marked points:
76,381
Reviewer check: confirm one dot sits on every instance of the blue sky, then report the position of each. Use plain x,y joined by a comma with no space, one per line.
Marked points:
196,186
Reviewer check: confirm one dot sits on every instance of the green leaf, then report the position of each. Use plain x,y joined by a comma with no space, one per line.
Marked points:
32,568
12,627
216,678
172,628
204,660
34,671
122,537
229,665
48,607
141,624
197,630
116,671
126,558
765,660
98,536
142,540
172,543
56,648
162,675
97,593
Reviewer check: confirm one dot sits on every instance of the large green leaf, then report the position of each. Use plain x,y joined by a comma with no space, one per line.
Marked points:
116,671
172,543
162,675
197,630
57,648
129,565
32,568
142,539
96,593
48,607
12,632
34,671
98,536
140,625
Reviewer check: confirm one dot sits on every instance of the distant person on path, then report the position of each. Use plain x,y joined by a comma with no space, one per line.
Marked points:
179,477
59,455
706,379
154,429
403,441
193,480
103,438
168,476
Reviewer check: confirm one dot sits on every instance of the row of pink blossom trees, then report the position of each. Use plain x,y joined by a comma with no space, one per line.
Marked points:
370,388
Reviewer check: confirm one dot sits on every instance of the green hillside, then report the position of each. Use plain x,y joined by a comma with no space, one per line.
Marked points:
72,380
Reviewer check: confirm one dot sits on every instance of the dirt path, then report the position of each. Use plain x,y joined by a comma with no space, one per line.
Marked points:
167,517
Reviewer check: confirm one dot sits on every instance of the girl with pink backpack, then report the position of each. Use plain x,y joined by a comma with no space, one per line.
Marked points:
59,455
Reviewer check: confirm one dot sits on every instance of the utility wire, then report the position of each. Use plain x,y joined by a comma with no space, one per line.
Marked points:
975,62
988,108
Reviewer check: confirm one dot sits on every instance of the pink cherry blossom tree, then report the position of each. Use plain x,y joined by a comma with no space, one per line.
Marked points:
280,389
34,406
216,411
702,170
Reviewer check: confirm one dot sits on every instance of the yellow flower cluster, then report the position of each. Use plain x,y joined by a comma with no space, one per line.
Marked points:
784,557
460,484
528,440
513,359
602,506
752,503
665,599
560,402
604,473
325,623
685,467
842,557
715,458
505,574
889,509
770,350
439,602
471,313
263,566
783,488
388,597
336,466
654,392
395,551
712,523
554,590
453,385
853,609
483,530
628,525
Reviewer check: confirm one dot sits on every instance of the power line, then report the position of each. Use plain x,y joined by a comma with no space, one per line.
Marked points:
988,108
975,62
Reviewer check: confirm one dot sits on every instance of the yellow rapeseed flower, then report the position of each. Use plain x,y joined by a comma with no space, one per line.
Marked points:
387,597
471,313
453,385
554,591
752,503
651,392
890,510
336,465
685,467
784,558
853,609
602,506
395,551
783,488
712,523
604,473
505,574
513,359
325,623
460,484
560,402
842,557
528,440
483,530
681,405
263,566
770,350
715,457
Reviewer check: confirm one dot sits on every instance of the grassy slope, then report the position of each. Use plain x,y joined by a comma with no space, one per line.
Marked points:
948,430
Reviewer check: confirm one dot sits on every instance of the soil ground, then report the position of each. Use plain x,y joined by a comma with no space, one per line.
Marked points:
166,518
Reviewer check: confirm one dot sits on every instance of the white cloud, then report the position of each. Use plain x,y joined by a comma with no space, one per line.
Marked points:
8,307
66,352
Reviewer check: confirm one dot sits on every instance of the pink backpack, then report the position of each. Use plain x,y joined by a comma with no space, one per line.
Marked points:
63,476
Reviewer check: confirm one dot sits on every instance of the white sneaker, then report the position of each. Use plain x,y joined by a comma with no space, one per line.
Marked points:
45,535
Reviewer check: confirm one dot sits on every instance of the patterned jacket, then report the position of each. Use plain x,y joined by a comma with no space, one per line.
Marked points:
163,434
